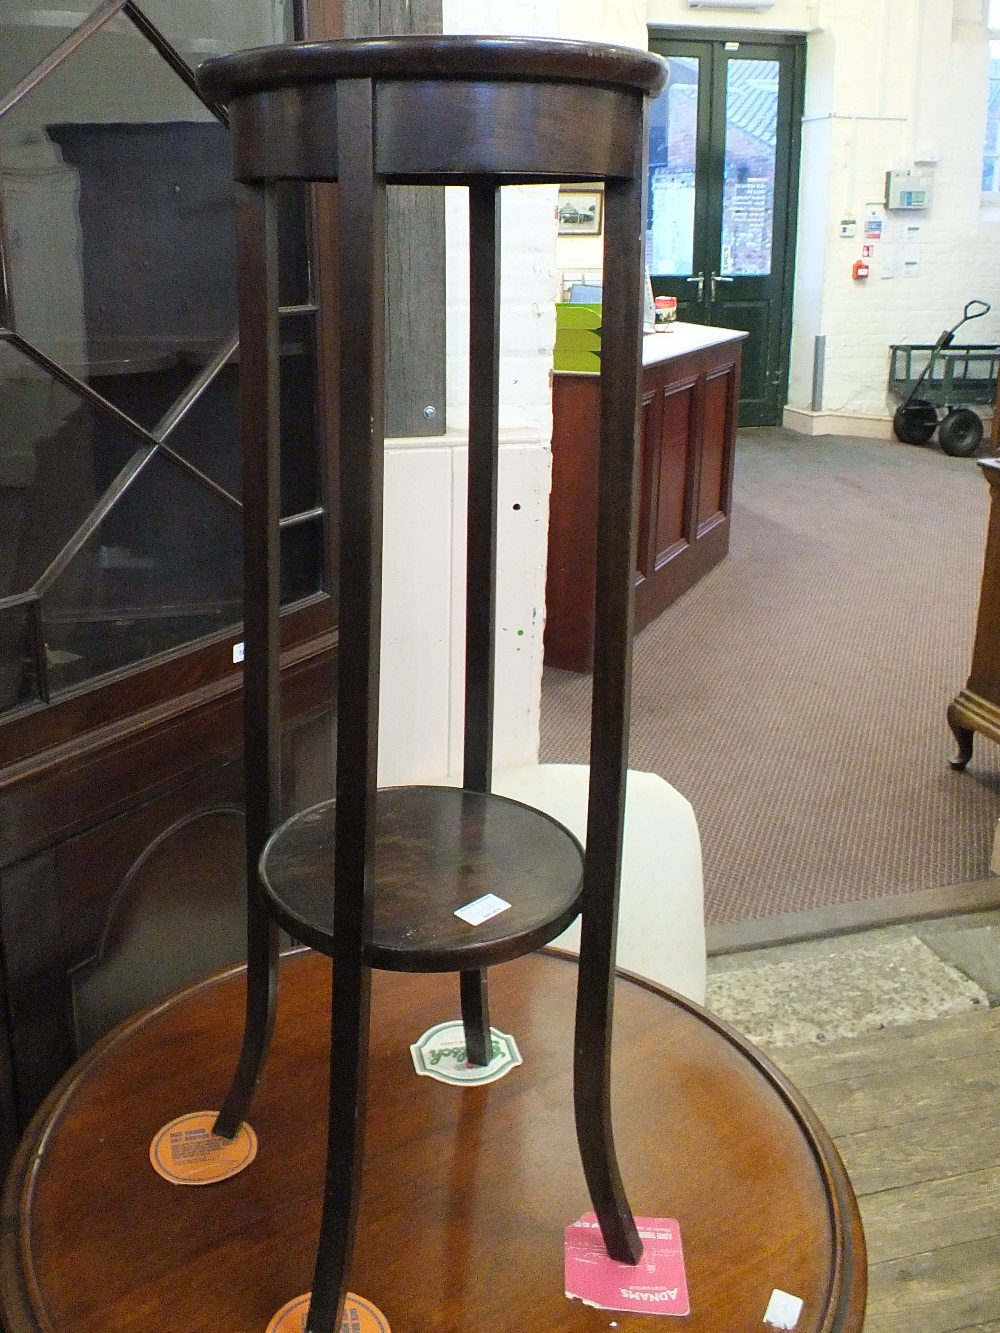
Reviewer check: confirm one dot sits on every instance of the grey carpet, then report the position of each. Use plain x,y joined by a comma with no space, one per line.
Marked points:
797,694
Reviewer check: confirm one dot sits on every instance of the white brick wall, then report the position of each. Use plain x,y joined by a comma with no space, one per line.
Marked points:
918,87
424,612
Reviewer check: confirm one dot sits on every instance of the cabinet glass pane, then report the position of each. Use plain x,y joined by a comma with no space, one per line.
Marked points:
208,435
199,29
117,182
53,450
118,210
18,669
164,567
673,123
29,31
751,139
301,557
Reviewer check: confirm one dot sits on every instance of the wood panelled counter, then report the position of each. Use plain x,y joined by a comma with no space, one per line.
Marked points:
690,393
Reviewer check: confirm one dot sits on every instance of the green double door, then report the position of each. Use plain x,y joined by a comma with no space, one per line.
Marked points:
723,176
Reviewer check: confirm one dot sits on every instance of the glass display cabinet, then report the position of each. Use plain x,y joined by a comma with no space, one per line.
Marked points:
120,506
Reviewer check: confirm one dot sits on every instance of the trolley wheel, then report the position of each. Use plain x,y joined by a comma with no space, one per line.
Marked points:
961,432
914,422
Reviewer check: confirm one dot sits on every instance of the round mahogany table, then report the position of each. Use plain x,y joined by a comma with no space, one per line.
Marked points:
467,1190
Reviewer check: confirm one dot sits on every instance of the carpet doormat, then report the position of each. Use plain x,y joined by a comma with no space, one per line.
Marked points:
843,993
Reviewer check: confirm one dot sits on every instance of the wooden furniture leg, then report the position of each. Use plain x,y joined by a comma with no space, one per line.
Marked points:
620,372
976,707
964,737
362,262
260,409
481,544
474,988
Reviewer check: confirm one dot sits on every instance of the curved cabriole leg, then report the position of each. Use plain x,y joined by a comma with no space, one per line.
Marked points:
362,259
260,413
621,360
964,737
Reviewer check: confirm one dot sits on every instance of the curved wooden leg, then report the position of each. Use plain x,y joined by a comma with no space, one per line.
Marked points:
963,736
362,260
613,623
592,1104
345,1145
262,998
260,408
476,1017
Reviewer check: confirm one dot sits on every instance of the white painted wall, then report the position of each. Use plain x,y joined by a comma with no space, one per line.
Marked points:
423,610
786,16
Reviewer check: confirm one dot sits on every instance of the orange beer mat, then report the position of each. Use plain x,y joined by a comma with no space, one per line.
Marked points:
360,1316
186,1152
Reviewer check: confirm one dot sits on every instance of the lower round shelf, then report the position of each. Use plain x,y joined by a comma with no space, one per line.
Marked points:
437,849
466,1191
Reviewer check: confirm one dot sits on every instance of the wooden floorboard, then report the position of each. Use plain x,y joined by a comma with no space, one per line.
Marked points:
915,1113
940,1291
911,1045
891,1156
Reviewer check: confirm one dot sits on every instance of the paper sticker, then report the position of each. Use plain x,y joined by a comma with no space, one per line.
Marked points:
186,1152
783,1310
489,905
440,1053
360,1316
657,1284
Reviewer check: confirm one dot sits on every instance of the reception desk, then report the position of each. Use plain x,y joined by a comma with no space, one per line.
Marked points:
690,392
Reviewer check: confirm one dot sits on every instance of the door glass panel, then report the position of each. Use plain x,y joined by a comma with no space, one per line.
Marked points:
164,567
673,123
748,190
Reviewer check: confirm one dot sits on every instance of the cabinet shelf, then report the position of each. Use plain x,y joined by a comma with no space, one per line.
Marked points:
436,850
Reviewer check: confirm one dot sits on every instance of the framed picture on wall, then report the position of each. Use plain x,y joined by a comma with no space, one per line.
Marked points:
581,211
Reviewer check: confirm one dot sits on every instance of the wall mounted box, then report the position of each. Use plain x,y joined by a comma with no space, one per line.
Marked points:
908,189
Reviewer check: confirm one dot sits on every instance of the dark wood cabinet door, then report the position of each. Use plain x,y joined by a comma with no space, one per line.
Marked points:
687,446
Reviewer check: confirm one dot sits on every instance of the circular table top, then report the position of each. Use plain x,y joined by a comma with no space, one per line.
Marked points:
467,1190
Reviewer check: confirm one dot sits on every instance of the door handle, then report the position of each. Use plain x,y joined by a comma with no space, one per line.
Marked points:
717,277
699,278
